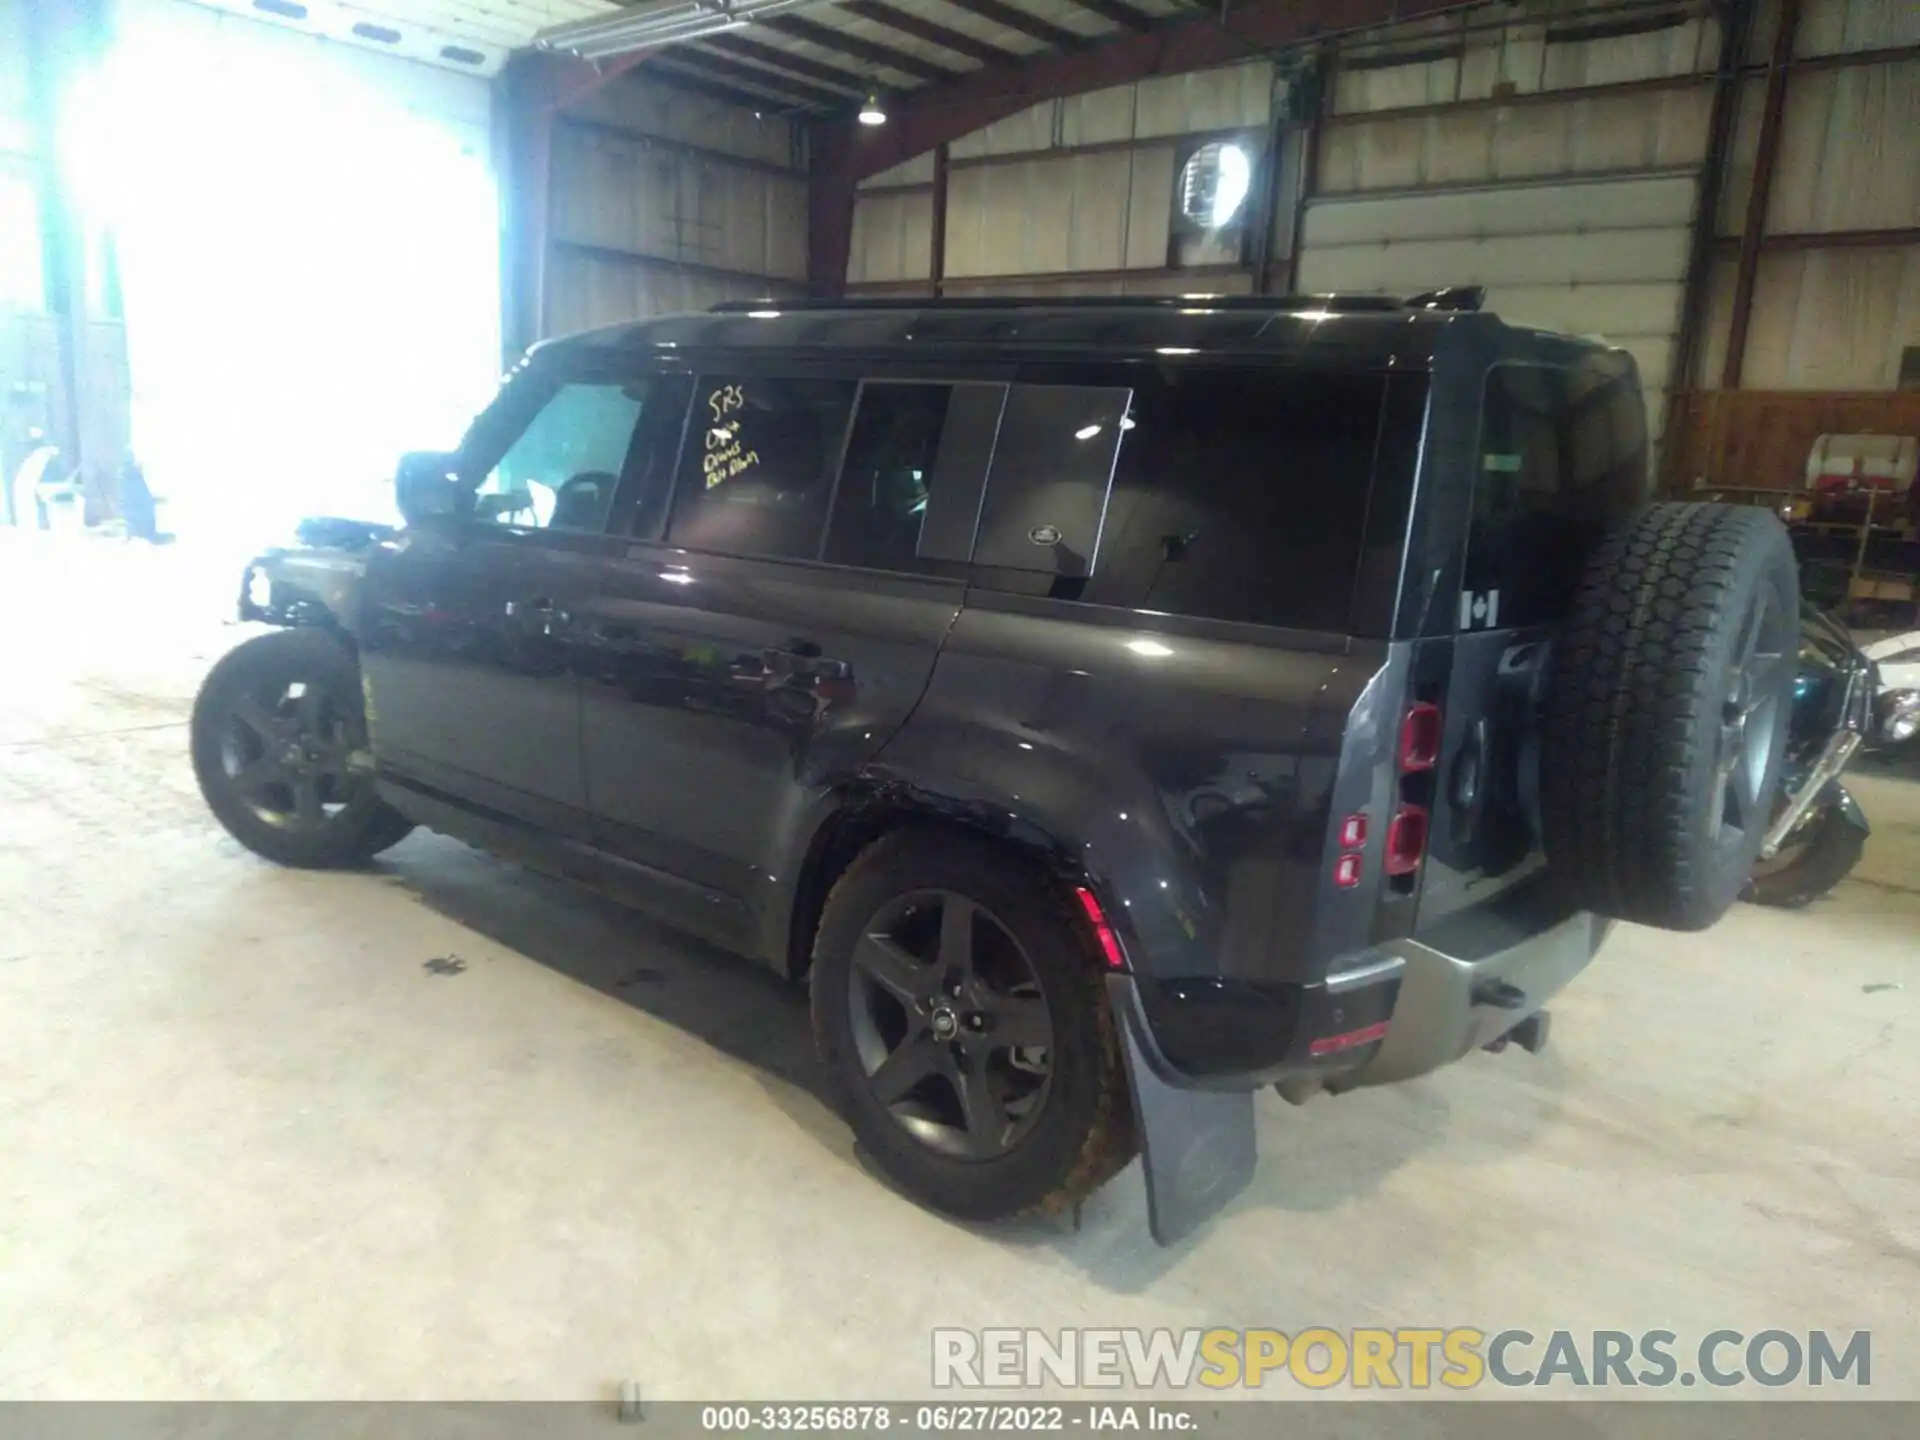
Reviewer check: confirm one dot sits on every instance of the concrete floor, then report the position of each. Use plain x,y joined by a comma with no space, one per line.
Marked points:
253,1145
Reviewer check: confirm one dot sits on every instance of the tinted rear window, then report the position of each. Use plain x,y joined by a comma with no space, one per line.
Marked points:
1563,452
1241,495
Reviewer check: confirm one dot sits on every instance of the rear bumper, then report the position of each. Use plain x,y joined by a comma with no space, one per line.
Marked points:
1451,1005
1438,998
1196,1129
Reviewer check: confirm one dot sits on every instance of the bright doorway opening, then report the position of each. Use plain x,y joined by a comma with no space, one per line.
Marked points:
309,252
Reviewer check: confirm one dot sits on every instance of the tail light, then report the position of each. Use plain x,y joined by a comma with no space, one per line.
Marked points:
1420,735
1406,844
1420,738
1102,931
1406,840
1334,1044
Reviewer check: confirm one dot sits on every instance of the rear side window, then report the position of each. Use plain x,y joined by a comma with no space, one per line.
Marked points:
1241,495
1563,452
1052,466
758,465
881,501
909,492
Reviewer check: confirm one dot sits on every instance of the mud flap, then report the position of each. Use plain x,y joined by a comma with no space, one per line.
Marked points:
1850,810
1196,1146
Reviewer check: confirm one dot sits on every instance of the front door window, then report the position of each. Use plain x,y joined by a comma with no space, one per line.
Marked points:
561,472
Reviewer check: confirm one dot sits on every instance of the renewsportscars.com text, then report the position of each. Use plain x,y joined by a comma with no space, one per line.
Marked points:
1462,1358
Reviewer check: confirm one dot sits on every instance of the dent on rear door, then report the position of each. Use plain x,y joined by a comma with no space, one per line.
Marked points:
727,700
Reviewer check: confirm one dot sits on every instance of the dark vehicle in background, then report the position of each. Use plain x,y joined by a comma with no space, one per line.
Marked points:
1839,706
1107,708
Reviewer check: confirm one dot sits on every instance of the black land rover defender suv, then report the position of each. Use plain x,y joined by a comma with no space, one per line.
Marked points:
1108,708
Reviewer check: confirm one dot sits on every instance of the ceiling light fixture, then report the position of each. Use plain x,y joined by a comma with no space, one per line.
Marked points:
871,113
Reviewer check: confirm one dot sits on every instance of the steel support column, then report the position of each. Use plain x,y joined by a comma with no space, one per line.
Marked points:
1323,77
832,188
1753,228
1736,29
937,241
62,36
527,94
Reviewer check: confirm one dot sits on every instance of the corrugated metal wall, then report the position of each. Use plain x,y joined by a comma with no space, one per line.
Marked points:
1575,213
1829,312
663,200
1551,153
1071,196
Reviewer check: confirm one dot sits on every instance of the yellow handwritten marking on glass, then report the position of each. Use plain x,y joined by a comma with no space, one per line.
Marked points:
726,455
726,399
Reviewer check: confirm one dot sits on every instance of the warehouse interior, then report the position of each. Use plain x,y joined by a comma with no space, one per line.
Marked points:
447,1129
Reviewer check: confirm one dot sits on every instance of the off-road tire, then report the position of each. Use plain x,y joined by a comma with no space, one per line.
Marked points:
351,837
1085,1133
1825,853
1635,710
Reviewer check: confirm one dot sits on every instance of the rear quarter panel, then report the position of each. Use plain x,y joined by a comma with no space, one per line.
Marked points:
1187,772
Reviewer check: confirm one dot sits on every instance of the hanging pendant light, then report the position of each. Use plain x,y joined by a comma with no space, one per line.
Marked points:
871,113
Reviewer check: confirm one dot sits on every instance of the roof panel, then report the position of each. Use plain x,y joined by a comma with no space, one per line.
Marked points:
1069,16
922,59
511,23
762,89
885,77
953,17
832,17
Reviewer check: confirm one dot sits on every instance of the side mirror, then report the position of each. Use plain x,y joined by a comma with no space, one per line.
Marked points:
426,488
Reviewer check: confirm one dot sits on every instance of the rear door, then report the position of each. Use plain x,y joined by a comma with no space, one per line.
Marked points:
780,627
1559,452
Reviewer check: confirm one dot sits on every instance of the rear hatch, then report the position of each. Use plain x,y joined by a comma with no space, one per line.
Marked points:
1552,449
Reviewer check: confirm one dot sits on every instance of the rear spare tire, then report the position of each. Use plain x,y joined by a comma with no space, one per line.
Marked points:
1666,719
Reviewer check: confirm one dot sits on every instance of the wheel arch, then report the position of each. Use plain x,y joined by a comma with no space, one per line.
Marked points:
865,816
314,589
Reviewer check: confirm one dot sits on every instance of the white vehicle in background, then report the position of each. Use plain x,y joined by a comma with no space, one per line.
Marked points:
1897,702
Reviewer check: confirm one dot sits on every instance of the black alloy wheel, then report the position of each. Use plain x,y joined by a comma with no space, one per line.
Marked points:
281,751
951,1027
1750,715
289,754
960,1006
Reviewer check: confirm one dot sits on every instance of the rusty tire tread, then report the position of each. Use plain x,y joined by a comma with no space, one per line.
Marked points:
1112,1141
1108,1141
1637,684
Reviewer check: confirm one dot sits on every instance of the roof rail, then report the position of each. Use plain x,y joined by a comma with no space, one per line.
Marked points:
1449,297
1339,303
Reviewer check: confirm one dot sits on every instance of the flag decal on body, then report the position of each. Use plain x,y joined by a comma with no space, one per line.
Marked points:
1479,609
